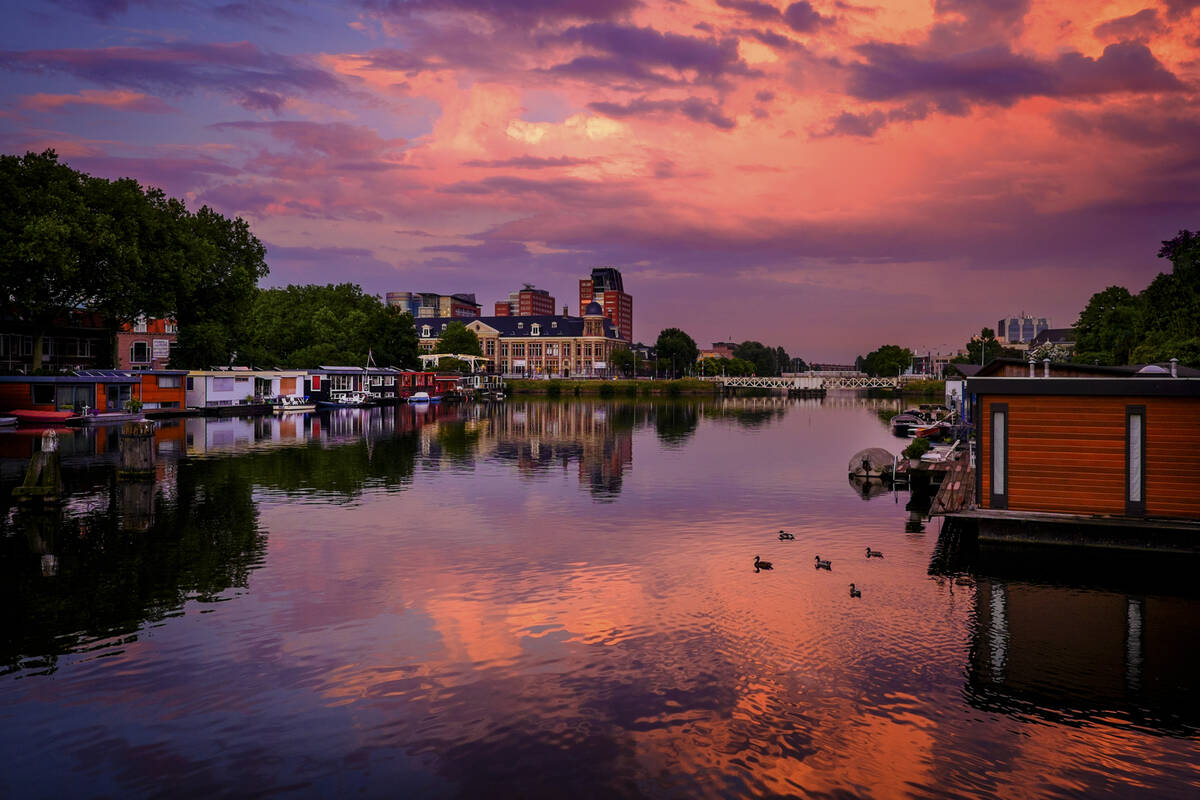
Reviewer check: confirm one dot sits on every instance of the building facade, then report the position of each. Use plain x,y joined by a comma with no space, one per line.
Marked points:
527,302
1020,329
606,288
432,304
544,346
146,344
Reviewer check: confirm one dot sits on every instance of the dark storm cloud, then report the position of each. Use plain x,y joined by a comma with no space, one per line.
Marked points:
510,12
1135,26
998,76
694,108
645,49
1178,9
763,12
803,18
238,68
528,162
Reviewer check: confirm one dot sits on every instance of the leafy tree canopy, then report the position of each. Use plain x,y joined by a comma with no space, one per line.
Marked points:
676,350
888,360
306,326
457,338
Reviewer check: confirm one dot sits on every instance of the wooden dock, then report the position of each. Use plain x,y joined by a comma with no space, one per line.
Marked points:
957,492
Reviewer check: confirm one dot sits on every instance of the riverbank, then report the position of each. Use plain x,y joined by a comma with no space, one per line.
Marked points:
619,388
917,388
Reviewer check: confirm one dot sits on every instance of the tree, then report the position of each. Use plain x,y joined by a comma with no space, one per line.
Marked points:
1106,331
783,362
45,230
622,360
676,350
762,357
457,338
888,360
307,326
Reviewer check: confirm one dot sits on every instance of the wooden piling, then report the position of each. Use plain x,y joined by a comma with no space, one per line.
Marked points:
137,451
43,476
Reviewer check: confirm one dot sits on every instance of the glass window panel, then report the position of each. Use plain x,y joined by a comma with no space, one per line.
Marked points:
998,442
1135,458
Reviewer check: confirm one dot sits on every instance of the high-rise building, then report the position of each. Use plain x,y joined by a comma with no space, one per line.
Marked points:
432,304
527,302
1020,329
606,288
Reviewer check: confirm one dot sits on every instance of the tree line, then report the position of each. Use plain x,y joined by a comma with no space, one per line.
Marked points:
71,241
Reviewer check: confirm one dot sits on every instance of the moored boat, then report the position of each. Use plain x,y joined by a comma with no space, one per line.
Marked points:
103,418
28,416
7,420
420,397
346,400
292,403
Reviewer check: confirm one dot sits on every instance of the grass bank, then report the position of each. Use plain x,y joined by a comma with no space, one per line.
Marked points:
917,388
573,388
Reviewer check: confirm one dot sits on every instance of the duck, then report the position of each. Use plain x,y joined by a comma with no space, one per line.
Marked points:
854,592
784,536
819,564
874,553
762,564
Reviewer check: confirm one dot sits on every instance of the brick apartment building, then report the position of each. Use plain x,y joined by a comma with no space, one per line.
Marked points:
606,288
527,302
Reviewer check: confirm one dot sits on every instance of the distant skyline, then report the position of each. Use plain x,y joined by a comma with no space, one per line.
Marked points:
825,176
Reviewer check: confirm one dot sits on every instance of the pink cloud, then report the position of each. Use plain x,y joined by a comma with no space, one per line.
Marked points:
116,99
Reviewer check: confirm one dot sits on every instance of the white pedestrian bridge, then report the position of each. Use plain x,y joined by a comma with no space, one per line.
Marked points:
812,381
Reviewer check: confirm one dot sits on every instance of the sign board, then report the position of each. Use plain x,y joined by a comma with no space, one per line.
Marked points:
160,348
599,365
518,362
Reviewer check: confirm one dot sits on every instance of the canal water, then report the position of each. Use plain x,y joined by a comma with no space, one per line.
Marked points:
557,599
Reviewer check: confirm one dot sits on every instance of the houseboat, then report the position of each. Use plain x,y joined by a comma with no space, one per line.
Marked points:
409,382
162,392
240,390
331,385
1089,460
50,399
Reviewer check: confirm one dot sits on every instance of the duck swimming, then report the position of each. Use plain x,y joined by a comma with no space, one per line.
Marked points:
783,536
874,553
854,592
819,564
762,564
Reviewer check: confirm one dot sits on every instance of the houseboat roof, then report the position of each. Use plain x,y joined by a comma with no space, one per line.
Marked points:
998,365
1146,385
132,373
110,376
243,372
356,370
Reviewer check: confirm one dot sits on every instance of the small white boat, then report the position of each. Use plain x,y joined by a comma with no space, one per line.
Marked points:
289,403
420,397
5,421
346,400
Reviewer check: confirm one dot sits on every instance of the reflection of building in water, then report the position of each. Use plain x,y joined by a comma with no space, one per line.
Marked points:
538,436
1058,651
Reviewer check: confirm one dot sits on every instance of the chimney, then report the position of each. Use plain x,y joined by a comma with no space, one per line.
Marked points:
1174,364
566,311
1045,368
1031,372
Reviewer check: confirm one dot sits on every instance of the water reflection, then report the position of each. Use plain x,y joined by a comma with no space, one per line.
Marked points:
551,598
1082,637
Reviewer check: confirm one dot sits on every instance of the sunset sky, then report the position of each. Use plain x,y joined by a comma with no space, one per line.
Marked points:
828,176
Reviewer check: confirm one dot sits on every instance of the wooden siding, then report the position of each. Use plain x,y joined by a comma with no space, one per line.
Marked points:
15,396
287,385
1067,454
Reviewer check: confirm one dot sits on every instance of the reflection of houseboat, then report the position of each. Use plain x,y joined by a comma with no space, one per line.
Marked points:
1090,655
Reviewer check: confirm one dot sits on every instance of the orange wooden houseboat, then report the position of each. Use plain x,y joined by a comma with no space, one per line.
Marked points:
1122,451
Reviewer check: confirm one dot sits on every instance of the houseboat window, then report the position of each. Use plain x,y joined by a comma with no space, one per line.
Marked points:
222,384
170,382
191,384
43,394
999,451
1135,458
139,352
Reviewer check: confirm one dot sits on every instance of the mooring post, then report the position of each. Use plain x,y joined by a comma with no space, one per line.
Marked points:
137,451
43,477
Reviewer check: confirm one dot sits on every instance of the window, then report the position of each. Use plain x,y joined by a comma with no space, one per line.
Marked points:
424,331
504,349
535,329
43,394
140,325
998,466
170,382
139,353
490,347
222,384
1135,461
191,384
341,383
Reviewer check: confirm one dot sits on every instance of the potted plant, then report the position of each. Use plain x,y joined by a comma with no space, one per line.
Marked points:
914,451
